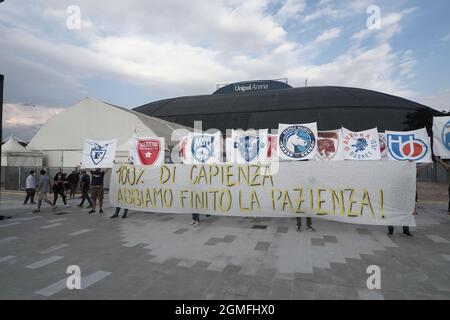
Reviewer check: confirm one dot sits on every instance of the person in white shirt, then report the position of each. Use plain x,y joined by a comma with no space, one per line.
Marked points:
30,187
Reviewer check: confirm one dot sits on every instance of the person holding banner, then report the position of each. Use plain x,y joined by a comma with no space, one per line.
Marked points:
308,224
97,189
446,166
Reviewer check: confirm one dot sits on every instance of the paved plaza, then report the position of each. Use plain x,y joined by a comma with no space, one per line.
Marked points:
160,256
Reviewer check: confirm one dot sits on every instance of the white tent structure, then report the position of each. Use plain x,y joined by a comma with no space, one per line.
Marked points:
15,154
62,137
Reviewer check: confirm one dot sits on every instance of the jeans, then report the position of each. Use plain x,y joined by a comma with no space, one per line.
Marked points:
196,217
30,195
61,193
308,222
125,211
85,196
405,229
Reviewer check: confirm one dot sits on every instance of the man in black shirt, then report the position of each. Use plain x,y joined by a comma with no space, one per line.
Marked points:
84,186
73,180
97,189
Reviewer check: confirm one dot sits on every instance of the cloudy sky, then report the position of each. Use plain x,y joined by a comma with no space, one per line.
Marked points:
133,52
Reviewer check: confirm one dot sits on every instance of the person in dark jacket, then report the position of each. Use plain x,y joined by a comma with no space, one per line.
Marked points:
73,180
59,189
84,186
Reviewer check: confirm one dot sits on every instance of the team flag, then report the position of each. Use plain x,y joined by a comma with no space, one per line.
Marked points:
98,154
362,145
203,148
297,141
409,145
147,151
329,145
441,137
248,146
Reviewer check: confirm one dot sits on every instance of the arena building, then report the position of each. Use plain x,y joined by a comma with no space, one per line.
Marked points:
264,104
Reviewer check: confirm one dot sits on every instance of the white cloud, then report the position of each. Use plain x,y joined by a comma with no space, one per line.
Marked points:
439,101
290,9
328,35
185,47
15,114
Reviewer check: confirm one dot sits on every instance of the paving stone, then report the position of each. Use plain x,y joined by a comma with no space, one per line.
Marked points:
317,242
259,227
282,229
330,239
262,246
181,231
232,269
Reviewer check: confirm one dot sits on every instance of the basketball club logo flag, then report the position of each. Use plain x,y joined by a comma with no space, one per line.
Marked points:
409,145
148,151
441,137
203,148
272,153
98,154
362,145
297,141
383,146
249,146
329,145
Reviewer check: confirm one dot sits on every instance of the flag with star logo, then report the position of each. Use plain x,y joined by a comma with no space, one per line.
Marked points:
148,151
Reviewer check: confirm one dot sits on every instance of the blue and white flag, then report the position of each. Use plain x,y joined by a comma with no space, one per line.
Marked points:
98,154
441,137
297,141
203,148
409,146
362,145
248,146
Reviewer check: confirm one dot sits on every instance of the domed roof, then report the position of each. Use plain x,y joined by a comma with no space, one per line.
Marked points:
331,107
281,99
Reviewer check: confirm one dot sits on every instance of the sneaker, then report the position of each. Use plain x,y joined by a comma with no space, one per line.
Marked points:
36,210
124,216
114,216
192,222
390,234
66,206
92,211
33,202
101,211
299,229
79,205
195,224
89,207
311,229
24,203
408,234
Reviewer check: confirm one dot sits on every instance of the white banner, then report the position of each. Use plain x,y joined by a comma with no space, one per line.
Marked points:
330,146
203,148
147,151
409,145
297,141
98,154
441,137
248,146
362,192
362,145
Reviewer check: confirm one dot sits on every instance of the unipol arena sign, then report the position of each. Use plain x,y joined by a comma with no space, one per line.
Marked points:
249,86
363,192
